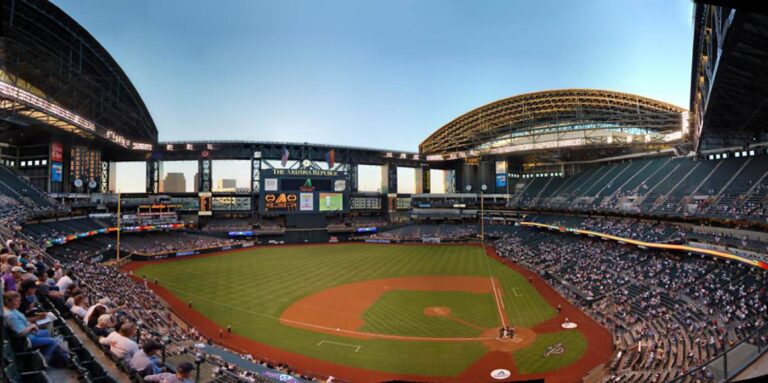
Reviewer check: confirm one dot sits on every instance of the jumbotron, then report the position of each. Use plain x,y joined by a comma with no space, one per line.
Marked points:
571,235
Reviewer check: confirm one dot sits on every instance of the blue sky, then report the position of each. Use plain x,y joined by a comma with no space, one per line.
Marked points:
381,74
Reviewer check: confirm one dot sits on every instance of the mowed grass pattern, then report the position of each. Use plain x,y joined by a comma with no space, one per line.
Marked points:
531,359
400,312
250,289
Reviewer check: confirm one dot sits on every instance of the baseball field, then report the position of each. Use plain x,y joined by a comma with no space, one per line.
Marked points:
366,312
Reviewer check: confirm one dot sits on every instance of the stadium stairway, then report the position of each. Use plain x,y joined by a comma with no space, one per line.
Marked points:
683,186
12,185
109,367
661,185
618,183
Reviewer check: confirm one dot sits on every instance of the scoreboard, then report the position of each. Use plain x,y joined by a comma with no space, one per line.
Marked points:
303,191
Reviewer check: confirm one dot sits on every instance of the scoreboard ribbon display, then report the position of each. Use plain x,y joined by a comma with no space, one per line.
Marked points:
280,202
303,191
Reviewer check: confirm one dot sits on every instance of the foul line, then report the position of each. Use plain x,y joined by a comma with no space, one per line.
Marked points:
358,333
382,336
498,304
356,347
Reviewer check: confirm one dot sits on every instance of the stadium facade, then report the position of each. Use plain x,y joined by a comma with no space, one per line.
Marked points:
69,113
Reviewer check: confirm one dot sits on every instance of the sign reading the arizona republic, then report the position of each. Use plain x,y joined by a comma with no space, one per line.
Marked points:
306,173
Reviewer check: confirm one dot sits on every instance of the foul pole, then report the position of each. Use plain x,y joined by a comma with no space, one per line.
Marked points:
119,228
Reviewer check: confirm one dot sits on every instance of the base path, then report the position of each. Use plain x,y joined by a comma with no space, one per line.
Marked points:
600,345
342,307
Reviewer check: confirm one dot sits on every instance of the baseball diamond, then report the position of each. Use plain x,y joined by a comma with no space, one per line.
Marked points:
405,302
260,191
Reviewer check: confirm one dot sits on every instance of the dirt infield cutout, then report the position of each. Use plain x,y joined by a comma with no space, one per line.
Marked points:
338,310
437,311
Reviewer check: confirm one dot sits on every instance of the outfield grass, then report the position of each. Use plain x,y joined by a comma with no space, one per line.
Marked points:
250,289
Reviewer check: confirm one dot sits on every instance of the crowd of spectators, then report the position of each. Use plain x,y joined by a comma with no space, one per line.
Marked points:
124,316
423,232
646,231
160,243
680,309
226,225
651,193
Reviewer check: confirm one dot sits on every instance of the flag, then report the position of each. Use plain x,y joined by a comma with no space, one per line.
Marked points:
284,157
330,158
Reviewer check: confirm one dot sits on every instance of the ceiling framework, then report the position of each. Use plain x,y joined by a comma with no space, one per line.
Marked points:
45,52
729,80
557,119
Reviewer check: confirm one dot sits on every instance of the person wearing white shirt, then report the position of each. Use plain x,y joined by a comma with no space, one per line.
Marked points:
64,282
121,343
58,272
78,307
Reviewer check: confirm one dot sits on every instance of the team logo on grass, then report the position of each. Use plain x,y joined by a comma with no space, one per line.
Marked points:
500,374
555,349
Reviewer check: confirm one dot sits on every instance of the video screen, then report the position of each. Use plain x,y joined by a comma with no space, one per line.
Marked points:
331,202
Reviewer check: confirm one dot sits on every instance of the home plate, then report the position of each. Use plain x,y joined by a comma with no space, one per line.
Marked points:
569,325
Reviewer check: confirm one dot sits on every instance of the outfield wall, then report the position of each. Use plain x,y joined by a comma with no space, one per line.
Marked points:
180,254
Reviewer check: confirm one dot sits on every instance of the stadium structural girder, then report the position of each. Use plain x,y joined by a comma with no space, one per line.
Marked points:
273,151
729,79
554,112
47,53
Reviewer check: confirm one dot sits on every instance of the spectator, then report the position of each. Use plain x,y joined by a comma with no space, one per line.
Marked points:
9,279
64,282
18,323
102,325
145,362
183,375
78,308
121,342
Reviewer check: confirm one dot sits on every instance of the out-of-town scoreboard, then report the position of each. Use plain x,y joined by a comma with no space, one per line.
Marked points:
303,191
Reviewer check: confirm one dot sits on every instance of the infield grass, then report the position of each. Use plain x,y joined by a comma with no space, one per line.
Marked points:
250,289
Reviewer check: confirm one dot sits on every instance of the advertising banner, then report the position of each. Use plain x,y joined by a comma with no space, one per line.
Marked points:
57,152
501,180
56,171
501,167
306,202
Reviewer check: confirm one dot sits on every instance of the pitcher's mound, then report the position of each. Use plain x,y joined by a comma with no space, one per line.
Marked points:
437,311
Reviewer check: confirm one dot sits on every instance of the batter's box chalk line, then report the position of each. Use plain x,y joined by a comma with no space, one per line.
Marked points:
356,347
516,339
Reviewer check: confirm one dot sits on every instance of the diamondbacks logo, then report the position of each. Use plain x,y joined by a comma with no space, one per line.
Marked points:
555,349
500,374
